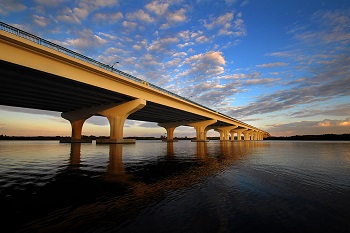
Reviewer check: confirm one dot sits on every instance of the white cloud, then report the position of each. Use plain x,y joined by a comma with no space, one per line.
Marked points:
185,44
261,81
180,54
140,15
84,8
211,93
311,127
50,3
40,20
91,5
86,40
209,64
177,16
129,25
163,44
111,18
159,8
7,6
70,16
137,47
226,25
219,21
109,36
234,76
272,64
202,39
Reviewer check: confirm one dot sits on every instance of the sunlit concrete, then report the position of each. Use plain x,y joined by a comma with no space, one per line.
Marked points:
239,133
200,130
117,116
225,132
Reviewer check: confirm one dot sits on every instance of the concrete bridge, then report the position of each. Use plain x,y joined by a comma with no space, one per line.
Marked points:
38,74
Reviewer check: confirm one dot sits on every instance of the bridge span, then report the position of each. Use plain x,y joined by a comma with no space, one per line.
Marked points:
38,74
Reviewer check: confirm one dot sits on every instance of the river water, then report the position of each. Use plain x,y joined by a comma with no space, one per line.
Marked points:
153,186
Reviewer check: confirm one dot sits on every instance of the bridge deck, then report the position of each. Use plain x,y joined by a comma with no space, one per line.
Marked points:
54,78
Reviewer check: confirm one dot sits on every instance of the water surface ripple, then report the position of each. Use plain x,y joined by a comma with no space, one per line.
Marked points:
152,186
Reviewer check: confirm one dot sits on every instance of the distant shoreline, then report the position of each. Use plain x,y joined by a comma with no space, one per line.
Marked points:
324,137
57,138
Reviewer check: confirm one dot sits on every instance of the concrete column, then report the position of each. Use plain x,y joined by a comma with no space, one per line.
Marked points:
78,117
247,135
77,126
200,129
253,135
239,133
117,116
170,128
225,131
170,133
221,132
261,136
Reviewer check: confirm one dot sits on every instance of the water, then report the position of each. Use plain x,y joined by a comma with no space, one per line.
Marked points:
152,186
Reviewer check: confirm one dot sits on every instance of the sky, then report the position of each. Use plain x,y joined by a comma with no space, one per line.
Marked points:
281,66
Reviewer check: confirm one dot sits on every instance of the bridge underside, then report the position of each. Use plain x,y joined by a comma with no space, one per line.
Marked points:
29,88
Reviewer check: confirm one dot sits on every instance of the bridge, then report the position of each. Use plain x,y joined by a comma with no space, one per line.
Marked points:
38,74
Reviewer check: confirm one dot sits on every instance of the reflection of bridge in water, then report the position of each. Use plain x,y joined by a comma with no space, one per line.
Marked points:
38,74
134,189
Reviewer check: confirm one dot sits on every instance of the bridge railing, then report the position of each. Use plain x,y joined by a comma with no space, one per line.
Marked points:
59,48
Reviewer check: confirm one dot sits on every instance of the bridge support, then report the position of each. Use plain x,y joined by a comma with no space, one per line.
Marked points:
77,126
200,130
247,135
170,128
239,133
224,132
117,116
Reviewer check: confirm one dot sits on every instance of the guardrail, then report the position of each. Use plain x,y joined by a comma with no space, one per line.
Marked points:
28,36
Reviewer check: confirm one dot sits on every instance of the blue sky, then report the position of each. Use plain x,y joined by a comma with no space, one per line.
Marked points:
282,66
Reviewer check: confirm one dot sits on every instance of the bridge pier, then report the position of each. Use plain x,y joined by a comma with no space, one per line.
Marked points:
77,126
170,128
225,132
200,128
239,133
247,135
116,117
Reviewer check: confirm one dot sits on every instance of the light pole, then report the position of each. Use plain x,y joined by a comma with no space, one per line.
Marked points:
114,64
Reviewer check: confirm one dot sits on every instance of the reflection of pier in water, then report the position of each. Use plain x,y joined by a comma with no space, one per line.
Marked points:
137,192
